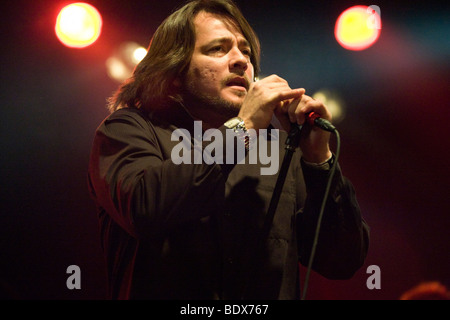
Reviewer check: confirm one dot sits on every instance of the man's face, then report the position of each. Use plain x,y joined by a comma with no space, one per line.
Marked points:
220,70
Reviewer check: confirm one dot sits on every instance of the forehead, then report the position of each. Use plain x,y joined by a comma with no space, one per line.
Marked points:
209,26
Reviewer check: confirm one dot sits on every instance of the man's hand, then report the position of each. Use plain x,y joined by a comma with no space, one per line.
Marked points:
263,97
314,141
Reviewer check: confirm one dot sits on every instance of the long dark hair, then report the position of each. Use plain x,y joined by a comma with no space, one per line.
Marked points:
169,54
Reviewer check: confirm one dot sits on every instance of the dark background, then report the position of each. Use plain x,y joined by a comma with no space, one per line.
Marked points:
395,136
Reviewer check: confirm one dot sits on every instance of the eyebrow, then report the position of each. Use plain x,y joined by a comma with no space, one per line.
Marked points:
241,42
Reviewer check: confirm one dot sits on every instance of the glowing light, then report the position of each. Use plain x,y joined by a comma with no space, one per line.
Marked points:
139,54
78,25
121,64
333,101
117,70
358,27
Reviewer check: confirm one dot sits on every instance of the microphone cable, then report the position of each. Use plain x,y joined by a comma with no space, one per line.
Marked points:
291,143
322,208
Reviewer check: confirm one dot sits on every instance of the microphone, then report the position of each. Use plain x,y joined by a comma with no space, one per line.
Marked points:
314,119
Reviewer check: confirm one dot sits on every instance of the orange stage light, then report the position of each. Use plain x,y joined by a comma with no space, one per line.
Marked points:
358,27
78,25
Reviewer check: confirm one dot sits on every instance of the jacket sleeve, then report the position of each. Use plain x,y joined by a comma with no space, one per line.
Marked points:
344,235
143,190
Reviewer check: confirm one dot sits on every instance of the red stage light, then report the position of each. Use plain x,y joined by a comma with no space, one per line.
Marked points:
78,25
358,27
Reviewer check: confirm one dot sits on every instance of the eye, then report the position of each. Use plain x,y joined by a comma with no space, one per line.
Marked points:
246,51
215,49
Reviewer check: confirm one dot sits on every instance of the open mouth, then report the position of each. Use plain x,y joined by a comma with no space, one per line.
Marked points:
238,82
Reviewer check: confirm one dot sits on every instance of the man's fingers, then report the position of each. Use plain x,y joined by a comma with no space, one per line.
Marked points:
287,96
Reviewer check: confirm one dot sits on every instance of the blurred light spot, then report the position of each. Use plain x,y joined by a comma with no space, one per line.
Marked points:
358,27
117,69
121,63
78,25
139,54
333,102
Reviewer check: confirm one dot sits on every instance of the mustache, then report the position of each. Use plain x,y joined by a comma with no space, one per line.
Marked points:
233,76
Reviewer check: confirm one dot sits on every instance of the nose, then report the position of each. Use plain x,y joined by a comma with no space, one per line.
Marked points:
238,60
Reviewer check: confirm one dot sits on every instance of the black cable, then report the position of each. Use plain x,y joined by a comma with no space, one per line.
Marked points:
291,143
322,209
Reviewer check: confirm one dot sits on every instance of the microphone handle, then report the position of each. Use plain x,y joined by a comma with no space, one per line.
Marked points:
315,119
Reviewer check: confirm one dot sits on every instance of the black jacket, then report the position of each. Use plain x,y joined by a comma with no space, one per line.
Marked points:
193,231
